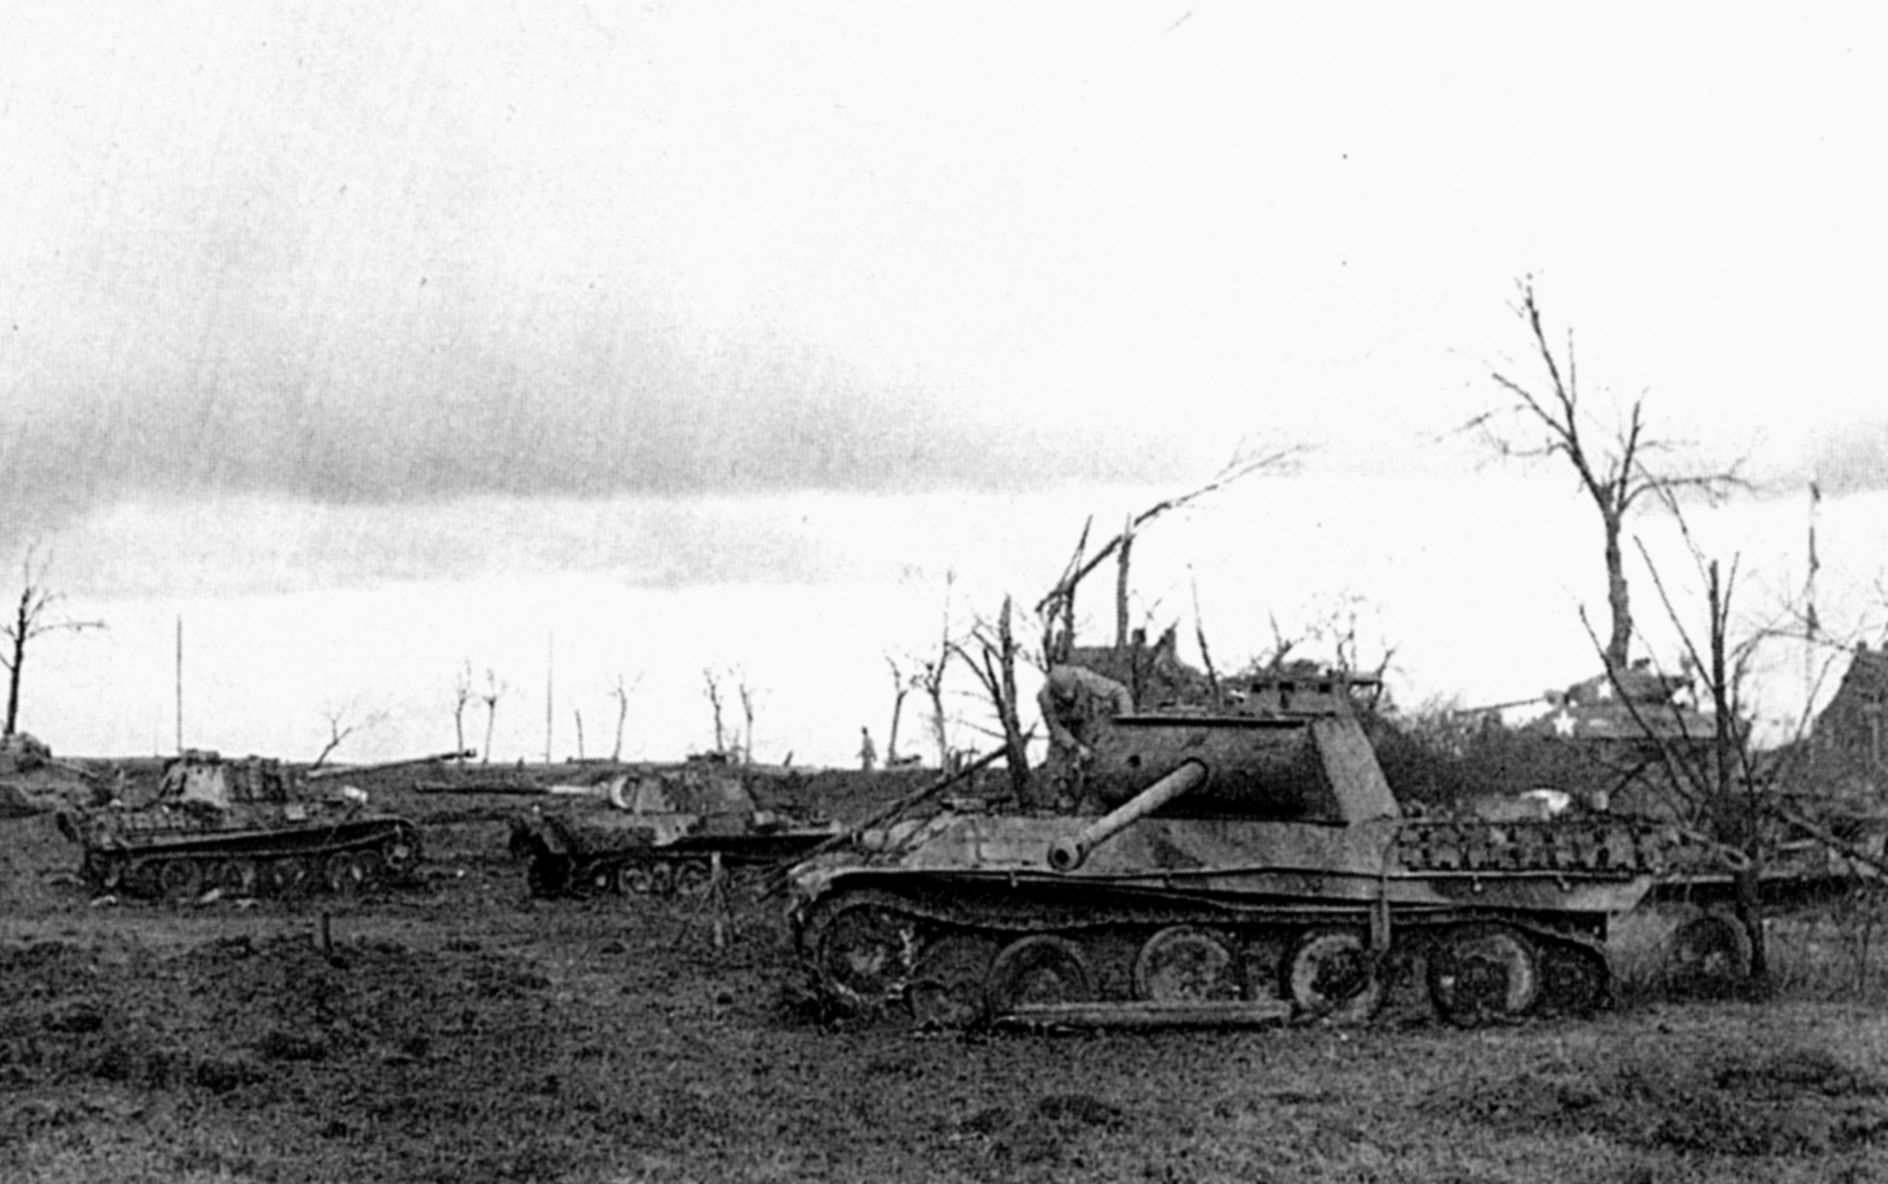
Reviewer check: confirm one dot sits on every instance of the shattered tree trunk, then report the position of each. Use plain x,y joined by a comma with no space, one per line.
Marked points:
1121,586
13,675
1015,750
1618,596
1735,815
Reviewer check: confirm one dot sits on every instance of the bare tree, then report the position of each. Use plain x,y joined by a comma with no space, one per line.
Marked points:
620,692
1056,603
340,727
747,694
713,680
990,653
902,684
931,679
1611,463
34,616
495,689
461,697
927,674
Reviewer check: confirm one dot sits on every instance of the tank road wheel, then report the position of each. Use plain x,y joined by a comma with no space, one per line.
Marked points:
692,879
1332,975
949,987
234,877
662,878
1483,974
180,879
1185,964
288,877
862,950
1039,969
352,873
1574,979
1710,952
638,878
370,871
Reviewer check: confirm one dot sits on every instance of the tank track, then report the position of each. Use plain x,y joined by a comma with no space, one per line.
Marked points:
956,963
288,866
647,874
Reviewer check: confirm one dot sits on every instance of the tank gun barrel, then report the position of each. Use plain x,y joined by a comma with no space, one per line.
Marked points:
356,770
1067,854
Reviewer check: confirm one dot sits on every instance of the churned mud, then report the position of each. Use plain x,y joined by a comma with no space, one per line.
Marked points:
459,1030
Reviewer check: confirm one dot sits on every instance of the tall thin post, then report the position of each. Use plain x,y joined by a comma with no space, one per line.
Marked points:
1811,625
550,667
180,683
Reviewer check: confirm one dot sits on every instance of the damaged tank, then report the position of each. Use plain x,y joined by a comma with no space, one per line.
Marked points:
659,834
1253,866
251,826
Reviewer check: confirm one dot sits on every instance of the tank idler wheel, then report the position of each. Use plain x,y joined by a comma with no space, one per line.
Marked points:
949,988
693,878
1332,975
180,879
1710,952
1574,979
288,877
861,951
1481,974
1040,969
234,877
1187,964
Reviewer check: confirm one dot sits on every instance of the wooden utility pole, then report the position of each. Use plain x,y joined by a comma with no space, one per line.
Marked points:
180,683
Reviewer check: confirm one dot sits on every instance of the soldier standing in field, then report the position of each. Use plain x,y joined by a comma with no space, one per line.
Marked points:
1076,704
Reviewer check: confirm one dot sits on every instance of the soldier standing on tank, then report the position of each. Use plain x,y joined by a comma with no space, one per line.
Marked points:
1076,704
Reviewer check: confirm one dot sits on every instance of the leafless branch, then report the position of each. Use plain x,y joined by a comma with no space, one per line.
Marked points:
1243,464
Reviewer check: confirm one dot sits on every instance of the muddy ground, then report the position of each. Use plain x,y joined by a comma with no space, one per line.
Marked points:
460,1031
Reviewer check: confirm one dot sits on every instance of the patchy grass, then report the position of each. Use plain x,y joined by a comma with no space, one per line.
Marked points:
462,1031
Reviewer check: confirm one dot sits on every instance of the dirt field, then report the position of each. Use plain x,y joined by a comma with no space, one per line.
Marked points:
459,1031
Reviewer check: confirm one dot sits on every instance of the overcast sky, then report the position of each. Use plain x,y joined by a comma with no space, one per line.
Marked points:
713,295
374,252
